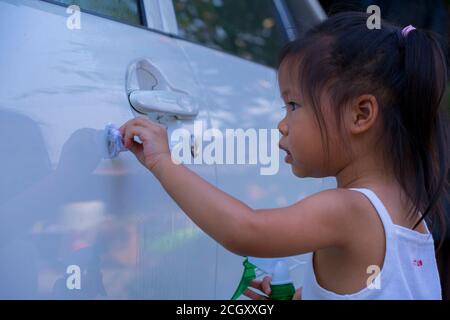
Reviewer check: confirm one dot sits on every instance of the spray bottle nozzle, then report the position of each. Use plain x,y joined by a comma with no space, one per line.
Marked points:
282,287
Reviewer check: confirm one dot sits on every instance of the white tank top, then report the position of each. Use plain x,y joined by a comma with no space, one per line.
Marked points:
409,270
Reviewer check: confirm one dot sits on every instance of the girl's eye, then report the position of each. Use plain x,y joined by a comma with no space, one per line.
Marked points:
292,105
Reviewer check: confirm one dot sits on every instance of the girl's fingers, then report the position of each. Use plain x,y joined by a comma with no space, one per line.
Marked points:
256,284
130,132
262,285
298,294
125,125
265,285
141,122
136,148
254,296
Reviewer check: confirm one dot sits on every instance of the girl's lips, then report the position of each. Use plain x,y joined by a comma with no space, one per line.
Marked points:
288,158
285,149
288,154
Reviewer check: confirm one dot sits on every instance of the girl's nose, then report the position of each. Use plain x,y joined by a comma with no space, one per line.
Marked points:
282,127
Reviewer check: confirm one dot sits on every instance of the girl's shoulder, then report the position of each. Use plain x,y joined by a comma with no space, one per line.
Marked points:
347,209
351,211
344,202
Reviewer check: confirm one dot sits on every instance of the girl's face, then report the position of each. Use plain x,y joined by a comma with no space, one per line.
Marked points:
301,135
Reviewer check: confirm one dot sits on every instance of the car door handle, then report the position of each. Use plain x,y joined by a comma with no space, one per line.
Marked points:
173,103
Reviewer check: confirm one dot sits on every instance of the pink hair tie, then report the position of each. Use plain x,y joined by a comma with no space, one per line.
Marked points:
407,30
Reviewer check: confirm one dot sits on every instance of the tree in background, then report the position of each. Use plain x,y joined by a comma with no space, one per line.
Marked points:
245,28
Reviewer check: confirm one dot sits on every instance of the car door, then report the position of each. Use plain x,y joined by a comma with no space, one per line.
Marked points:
74,223
232,47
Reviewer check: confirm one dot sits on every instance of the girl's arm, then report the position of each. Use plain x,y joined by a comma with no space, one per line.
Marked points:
314,223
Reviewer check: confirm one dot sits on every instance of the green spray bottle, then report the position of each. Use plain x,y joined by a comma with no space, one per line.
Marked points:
282,287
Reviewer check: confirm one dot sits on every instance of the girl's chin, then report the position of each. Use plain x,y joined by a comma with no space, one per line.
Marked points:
295,169
298,172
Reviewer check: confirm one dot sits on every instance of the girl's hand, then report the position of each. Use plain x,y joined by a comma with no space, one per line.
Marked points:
154,147
264,286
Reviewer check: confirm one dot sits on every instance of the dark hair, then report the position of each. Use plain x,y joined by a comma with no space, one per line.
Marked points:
407,75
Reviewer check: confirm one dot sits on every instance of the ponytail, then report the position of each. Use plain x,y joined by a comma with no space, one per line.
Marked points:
426,126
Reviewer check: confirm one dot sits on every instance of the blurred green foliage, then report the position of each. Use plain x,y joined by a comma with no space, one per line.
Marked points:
247,28
125,10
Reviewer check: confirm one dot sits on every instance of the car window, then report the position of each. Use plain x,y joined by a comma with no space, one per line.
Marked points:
249,29
129,11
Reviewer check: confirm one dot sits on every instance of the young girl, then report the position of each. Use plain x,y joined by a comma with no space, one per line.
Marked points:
363,106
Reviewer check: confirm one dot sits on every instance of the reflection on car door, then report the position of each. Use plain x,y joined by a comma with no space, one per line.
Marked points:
66,210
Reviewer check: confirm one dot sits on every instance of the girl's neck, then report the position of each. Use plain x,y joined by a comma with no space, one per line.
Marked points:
368,174
365,172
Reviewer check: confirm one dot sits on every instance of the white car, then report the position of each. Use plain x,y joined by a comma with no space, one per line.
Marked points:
76,224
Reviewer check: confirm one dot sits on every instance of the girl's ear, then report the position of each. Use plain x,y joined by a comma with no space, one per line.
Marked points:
363,114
